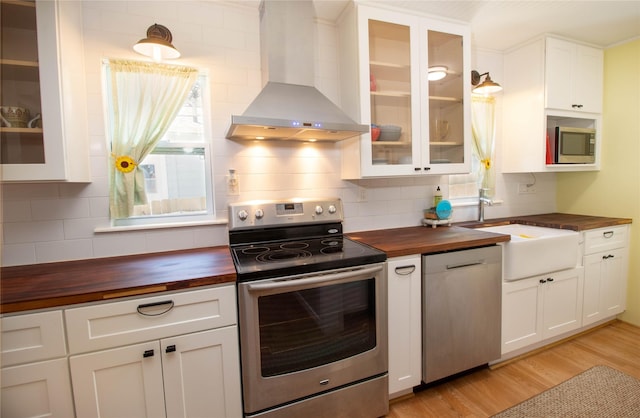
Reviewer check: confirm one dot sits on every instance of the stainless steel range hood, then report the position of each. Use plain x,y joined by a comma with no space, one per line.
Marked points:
289,107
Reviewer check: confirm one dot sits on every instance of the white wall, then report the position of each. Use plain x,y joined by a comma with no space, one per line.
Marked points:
55,222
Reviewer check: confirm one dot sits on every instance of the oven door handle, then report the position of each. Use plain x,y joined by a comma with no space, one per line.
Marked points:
324,279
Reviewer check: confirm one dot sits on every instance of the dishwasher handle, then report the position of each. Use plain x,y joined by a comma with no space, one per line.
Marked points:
463,265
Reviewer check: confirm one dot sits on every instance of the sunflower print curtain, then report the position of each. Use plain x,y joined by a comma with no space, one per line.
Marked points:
143,101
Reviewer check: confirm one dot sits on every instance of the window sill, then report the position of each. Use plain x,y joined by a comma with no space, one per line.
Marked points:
183,224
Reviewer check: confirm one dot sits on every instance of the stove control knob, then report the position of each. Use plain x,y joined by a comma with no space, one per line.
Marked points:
259,213
332,209
319,210
243,215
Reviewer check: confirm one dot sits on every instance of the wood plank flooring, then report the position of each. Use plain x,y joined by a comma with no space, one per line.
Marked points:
486,392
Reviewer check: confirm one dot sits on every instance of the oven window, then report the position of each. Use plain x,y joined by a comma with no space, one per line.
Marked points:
308,328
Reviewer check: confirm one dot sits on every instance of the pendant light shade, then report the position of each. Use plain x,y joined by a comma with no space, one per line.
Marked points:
157,44
488,86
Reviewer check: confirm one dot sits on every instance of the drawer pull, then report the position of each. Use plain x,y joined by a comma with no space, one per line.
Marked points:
147,353
146,306
607,234
170,348
606,257
550,279
405,270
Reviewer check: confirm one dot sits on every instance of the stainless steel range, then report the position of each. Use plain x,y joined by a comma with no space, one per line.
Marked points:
312,312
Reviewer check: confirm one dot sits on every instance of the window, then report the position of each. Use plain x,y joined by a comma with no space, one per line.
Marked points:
176,172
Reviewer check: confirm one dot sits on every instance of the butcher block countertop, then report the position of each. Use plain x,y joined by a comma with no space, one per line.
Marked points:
56,284
53,285
421,240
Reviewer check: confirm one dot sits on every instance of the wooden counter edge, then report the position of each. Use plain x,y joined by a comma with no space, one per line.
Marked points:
64,301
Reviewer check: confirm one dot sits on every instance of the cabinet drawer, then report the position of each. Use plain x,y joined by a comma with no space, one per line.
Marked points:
603,239
32,337
119,323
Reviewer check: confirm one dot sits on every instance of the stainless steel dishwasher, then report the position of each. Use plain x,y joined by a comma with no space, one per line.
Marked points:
461,310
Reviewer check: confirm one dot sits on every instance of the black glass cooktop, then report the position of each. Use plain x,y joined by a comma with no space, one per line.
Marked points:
288,257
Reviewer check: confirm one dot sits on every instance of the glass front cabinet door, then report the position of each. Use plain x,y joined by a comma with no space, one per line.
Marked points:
414,90
43,124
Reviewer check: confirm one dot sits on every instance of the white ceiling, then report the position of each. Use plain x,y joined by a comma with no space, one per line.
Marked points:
501,24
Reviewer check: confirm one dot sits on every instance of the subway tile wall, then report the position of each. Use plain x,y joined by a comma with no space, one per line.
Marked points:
54,222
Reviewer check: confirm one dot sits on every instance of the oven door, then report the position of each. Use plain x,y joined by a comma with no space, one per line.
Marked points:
308,334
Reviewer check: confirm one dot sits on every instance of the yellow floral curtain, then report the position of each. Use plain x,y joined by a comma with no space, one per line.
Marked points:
145,98
483,130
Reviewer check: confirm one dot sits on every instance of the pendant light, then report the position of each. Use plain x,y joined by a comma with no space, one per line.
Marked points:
488,86
157,44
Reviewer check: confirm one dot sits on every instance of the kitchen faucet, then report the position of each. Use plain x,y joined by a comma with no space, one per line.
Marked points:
482,201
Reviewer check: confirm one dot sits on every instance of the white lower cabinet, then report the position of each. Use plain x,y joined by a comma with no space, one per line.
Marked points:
405,331
605,278
38,389
174,355
604,285
541,307
193,375
35,371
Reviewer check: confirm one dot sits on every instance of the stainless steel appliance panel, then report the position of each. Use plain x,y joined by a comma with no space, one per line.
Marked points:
339,403
307,334
462,308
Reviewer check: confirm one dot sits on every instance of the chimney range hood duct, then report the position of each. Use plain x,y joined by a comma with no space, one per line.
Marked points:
289,107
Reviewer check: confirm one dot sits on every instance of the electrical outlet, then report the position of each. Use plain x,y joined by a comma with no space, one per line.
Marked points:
524,188
362,194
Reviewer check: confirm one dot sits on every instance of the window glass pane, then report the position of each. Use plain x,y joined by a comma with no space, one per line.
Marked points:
189,124
175,182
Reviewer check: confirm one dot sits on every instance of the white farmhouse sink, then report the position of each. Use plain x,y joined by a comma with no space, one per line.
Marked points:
536,250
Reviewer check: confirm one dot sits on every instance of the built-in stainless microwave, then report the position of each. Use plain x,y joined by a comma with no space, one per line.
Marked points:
575,145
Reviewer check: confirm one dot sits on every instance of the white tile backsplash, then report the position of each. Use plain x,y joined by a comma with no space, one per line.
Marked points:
55,222
31,232
64,208
48,252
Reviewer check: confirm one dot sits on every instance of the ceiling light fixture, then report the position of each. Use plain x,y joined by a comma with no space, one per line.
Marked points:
437,73
488,86
157,44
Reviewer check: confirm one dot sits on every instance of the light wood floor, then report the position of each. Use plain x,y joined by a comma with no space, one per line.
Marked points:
489,391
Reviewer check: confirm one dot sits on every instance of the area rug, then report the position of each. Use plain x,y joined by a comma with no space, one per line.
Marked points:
598,392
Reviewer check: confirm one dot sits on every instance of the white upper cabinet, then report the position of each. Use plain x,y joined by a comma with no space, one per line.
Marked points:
43,74
549,83
418,126
574,76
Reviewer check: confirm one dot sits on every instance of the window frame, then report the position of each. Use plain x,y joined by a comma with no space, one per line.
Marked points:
178,218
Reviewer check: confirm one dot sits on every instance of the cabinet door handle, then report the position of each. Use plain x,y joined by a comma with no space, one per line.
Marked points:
576,106
550,279
543,281
141,308
416,168
607,234
606,257
170,348
427,168
405,270
148,353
